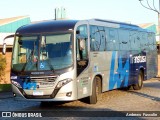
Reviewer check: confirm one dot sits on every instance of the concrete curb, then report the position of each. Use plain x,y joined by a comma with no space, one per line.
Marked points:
5,87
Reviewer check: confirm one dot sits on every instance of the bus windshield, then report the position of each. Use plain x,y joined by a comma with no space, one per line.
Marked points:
40,53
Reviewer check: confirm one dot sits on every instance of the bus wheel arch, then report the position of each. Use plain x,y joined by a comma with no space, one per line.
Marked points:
99,83
96,89
139,83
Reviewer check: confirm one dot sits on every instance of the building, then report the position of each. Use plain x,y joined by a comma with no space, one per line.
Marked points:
9,26
152,27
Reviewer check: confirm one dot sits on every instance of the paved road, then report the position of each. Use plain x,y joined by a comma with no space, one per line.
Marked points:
146,99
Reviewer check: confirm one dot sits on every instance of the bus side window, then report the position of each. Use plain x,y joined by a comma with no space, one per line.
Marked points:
82,42
154,42
98,38
112,42
138,39
92,38
134,38
143,42
150,41
124,39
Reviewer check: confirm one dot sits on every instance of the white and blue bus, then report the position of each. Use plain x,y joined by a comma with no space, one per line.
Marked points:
66,60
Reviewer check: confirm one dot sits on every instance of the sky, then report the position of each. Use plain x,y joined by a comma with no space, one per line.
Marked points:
129,11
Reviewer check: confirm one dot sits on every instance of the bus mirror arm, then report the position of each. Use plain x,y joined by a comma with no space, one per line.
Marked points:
5,45
4,49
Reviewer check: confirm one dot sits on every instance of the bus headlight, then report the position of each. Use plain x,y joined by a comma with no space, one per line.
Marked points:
16,84
63,82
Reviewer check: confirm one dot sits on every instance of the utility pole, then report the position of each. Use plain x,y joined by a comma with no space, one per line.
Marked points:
153,8
159,26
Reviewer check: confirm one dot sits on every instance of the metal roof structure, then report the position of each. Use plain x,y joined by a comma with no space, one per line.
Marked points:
9,26
150,26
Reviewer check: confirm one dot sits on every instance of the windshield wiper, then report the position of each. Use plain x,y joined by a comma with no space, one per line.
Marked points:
50,65
26,63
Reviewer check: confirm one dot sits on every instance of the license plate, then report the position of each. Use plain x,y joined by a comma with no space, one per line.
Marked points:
36,93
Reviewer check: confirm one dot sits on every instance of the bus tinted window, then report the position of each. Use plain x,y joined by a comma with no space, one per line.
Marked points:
154,42
112,39
134,38
124,39
144,41
98,38
82,42
150,41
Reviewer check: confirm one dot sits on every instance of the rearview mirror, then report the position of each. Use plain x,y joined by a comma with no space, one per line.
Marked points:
5,45
4,49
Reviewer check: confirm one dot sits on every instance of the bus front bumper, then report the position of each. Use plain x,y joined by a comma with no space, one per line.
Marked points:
65,93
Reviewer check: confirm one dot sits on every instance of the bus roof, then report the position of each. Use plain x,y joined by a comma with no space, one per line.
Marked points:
123,25
47,26
65,25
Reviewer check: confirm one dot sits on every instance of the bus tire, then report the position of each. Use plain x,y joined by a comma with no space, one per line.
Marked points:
96,89
139,85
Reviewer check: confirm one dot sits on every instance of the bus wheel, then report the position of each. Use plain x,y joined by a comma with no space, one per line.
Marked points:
139,85
96,89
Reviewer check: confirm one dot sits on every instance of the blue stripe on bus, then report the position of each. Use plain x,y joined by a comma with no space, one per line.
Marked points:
121,77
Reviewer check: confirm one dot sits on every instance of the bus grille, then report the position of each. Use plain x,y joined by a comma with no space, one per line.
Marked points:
42,81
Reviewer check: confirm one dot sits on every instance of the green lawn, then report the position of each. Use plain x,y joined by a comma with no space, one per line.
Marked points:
5,87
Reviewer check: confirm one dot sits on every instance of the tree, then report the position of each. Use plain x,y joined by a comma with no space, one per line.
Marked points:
2,67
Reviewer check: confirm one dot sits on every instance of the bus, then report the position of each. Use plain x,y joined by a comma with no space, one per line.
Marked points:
67,60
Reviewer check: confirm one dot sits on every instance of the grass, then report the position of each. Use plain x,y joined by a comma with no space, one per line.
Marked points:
5,87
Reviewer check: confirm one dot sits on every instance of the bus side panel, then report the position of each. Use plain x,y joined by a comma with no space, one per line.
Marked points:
117,68
99,65
129,65
120,76
84,84
137,63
